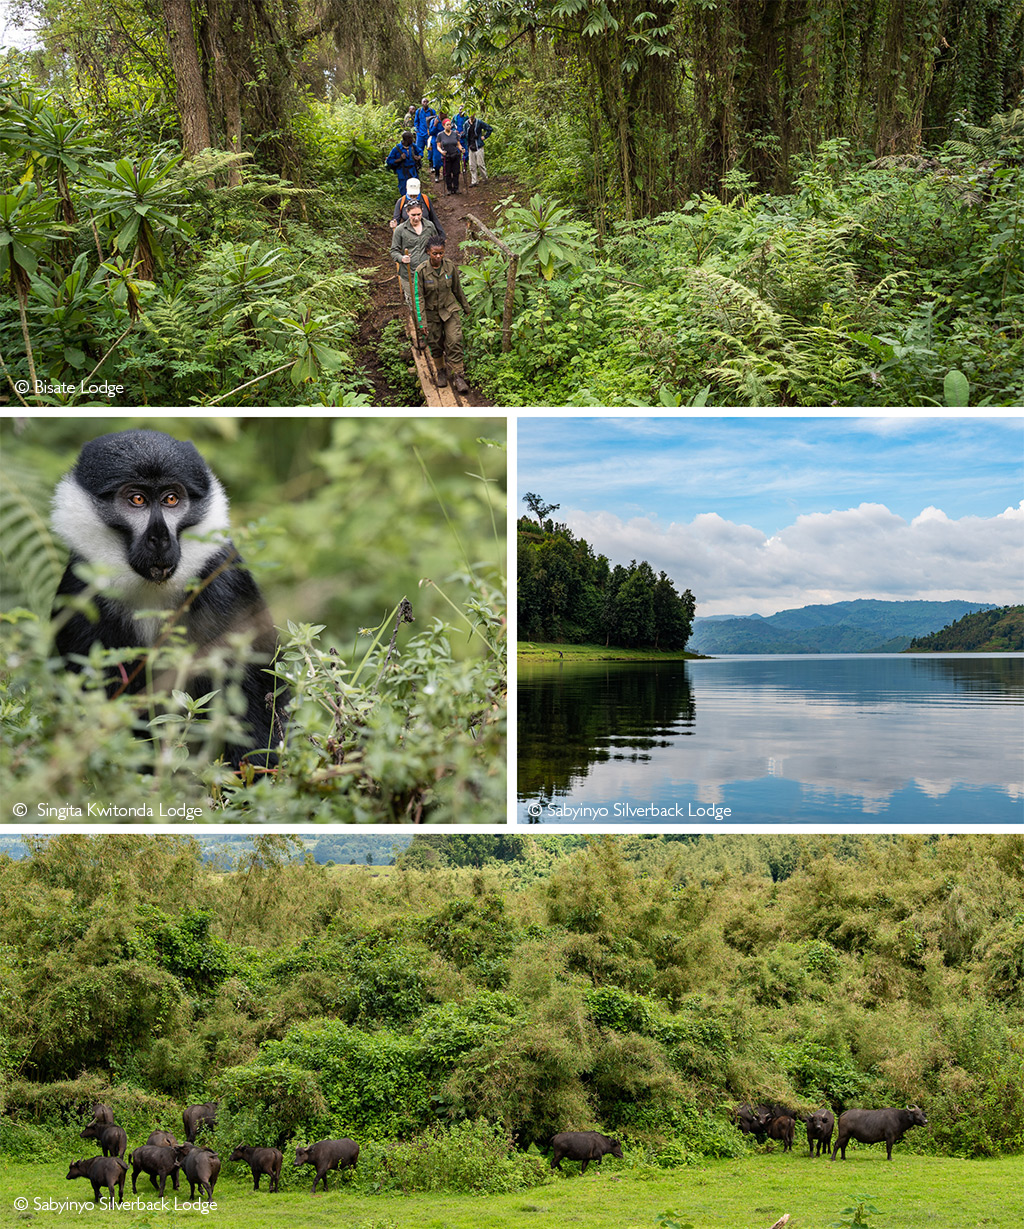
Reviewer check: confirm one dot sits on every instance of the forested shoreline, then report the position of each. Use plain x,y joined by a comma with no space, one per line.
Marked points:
731,204
493,987
568,593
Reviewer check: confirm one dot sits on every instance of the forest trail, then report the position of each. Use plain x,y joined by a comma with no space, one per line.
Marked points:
386,300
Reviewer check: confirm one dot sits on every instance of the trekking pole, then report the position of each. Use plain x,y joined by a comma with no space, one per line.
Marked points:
412,305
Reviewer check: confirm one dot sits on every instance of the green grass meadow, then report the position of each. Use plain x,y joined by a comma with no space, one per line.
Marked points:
913,1192
536,650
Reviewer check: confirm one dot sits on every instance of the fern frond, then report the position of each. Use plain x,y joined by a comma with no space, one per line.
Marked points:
739,306
31,562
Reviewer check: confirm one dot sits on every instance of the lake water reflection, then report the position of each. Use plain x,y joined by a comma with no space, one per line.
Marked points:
876,738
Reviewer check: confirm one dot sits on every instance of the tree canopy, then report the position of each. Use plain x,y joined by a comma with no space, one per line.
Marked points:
569,593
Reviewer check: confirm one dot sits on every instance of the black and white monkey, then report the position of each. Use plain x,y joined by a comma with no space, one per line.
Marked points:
147,508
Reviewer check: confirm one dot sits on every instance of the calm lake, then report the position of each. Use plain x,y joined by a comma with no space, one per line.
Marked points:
875,738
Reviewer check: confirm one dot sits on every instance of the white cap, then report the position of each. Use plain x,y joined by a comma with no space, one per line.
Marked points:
412,187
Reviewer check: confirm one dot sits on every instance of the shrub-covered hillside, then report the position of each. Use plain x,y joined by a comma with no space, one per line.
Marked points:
985,631
639,985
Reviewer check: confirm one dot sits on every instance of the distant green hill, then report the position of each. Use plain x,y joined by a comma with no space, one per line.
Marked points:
865,625
988,631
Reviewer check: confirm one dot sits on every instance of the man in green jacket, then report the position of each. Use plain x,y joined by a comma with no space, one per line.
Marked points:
440,303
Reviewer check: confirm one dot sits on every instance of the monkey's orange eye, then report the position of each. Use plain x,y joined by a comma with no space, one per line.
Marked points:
171,500
137,499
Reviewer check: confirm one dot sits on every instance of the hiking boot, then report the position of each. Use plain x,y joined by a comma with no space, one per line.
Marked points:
459,383
441,380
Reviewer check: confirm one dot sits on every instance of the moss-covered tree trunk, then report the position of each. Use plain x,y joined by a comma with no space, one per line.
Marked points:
189,92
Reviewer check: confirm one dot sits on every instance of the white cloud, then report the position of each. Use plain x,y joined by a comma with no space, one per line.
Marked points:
862,552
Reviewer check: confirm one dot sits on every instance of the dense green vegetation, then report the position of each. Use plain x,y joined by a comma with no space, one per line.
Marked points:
864,625
791,204
567,592
986,631
340,520
146,280
640,985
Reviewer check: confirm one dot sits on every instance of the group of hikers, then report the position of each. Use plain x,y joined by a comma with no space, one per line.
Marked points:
450,143
430,279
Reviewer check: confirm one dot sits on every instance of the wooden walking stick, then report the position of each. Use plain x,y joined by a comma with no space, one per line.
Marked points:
412,307
417,342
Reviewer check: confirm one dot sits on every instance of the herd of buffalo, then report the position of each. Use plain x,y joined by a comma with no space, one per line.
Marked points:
865,1126
162,1157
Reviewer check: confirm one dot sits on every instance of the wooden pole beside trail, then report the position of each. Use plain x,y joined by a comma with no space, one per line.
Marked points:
510,287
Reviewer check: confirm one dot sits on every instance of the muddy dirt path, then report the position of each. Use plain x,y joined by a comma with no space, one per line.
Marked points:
386,302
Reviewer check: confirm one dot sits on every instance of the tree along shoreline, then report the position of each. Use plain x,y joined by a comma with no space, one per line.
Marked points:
531,651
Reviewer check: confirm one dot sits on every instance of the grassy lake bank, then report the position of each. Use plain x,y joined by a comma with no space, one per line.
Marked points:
535,650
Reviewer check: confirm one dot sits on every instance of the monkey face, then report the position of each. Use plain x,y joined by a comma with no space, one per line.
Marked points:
152,518
145,506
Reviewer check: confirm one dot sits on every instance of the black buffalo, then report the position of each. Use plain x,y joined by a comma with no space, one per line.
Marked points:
201,1167
872,1126
162,1139
110,1137
753,1119
197,1116
820,1126
108,1171
261,1161
585,1146
157,1160
328,1154
783,1128
101,1113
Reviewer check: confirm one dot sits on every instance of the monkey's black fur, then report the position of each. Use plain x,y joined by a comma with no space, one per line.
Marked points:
148,507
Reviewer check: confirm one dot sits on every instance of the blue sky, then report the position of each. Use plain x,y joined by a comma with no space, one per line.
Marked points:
760,514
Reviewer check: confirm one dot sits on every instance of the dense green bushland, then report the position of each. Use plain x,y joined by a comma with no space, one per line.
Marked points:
641,985
566,592
986,631
897,281
180,283
392,719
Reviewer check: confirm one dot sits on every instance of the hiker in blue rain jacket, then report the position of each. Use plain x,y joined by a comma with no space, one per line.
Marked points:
404,161
434,130
424,114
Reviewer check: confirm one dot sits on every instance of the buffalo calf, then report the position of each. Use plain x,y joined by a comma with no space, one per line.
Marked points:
110,1137
201,1167
261,1161
783,1128
820,1126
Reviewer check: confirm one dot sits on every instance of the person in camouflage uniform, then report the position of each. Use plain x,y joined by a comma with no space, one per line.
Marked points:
440,302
